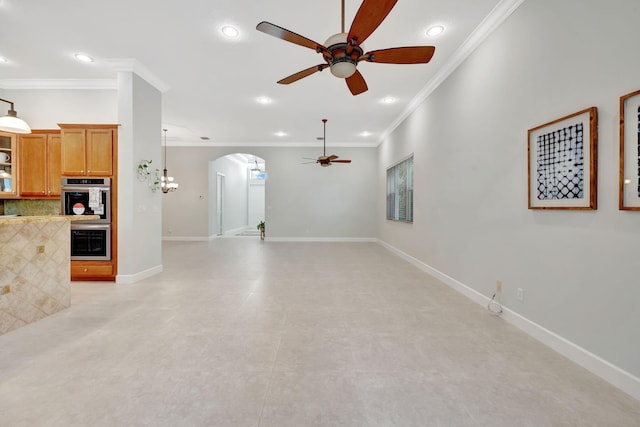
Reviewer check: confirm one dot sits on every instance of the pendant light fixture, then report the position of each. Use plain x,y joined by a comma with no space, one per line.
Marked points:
12,123
167,183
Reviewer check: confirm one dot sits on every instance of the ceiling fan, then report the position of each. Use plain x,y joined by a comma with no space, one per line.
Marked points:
344,51
325,160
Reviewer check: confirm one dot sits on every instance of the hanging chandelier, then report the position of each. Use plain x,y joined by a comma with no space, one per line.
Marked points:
167,183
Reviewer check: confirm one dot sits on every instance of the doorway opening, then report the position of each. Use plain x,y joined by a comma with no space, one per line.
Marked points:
240,184
220,202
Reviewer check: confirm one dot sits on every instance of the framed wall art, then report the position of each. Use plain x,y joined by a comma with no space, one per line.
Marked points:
629,196
563,160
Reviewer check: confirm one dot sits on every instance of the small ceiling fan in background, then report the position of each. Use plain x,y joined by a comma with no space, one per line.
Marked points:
256,168
343,51
325,160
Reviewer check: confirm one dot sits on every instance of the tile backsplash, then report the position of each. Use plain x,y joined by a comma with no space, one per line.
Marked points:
30,207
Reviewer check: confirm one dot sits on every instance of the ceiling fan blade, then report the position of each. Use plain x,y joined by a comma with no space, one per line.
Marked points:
332,157
302,74
401,55
290,36
340,161
368,18
356,83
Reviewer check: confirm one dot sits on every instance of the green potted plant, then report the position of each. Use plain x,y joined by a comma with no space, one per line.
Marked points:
261,228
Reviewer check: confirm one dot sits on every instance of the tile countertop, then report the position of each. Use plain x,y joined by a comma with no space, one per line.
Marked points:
10,219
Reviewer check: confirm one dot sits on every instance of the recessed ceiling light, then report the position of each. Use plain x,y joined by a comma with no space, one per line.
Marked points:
264,100
3,60
388,100
436,30
230,31
280,134
365,134
83,57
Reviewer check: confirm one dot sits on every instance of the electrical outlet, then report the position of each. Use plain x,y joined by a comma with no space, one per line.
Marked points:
520,294
498,285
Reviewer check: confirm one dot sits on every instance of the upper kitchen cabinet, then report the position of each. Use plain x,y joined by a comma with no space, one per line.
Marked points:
40,169
88,150
8,166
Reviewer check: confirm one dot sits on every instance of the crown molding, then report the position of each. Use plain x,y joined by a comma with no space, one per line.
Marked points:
191,143
126,65
135,66
65,84
489,24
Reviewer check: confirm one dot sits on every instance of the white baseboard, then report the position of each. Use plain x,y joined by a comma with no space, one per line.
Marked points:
125,279
275,239
323,239
611,373
186,239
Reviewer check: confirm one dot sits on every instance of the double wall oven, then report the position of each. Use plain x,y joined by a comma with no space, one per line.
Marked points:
90,239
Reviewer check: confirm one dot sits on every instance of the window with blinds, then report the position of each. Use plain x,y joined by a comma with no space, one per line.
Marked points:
400,191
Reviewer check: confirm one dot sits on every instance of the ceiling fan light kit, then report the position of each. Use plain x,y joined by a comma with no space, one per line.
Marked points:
344,50
341,64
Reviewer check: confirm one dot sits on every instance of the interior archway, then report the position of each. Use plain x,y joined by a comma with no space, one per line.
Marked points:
237,194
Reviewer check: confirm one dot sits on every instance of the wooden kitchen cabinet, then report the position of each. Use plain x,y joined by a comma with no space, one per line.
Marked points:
8,166
87,151
92,270
40,170
92,150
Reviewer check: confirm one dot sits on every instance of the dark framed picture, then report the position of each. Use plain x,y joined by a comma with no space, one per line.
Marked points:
563,162
629,196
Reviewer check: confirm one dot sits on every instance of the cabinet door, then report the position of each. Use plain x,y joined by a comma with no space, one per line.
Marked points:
99,152
54,156
73,152
33,162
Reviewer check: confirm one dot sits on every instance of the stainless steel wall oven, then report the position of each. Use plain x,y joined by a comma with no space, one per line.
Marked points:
76,198
90,241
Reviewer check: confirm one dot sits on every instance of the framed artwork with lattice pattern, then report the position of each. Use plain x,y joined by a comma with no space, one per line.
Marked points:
629,195
563,161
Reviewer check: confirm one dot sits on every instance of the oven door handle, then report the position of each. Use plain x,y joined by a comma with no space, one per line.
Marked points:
90,226
83,189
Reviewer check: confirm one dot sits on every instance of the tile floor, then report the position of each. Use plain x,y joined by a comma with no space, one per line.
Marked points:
239,332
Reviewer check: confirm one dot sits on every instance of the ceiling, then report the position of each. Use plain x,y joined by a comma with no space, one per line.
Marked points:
211,83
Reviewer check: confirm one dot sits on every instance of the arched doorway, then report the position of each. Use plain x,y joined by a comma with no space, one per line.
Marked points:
238,183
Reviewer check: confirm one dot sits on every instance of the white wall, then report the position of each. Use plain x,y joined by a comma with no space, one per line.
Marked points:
139,209
256,202
577,268
44,109
302,200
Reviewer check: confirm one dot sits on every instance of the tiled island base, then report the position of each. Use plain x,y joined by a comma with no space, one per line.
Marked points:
34,269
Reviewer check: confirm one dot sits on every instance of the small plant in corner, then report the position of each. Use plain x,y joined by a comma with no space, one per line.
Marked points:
261,228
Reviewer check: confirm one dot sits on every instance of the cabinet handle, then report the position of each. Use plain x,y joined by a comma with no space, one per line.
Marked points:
85,270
